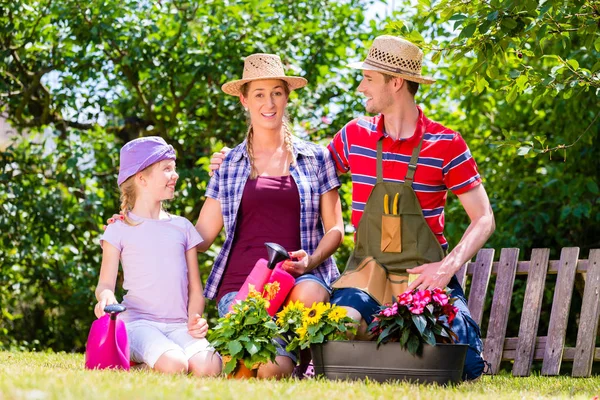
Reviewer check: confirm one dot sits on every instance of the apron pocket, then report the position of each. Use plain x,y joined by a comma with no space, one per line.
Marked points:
391,233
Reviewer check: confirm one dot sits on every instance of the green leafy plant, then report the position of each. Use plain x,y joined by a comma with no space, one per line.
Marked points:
246,334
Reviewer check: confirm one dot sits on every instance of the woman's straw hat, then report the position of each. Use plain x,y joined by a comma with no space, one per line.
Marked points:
394,56
262,66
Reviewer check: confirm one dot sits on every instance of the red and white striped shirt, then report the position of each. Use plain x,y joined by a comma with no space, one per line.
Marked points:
444,163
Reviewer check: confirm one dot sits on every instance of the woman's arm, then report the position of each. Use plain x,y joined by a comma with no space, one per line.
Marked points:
331,215
105,291
210,223
197,326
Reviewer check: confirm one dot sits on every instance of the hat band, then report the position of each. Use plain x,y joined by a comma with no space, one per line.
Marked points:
389,68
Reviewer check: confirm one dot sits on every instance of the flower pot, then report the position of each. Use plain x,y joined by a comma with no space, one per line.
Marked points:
353,360
242,372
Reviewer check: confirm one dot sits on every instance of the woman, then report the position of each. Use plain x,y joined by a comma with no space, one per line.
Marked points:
272,187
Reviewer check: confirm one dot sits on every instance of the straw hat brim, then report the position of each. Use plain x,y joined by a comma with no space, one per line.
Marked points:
233,87
415,78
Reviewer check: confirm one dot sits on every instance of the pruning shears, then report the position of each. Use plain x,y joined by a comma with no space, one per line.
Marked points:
386,204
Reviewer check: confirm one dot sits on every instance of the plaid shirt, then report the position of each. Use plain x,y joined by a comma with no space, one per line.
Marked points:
314,174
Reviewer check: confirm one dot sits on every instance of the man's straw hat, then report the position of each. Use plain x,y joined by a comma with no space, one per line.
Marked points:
262,66
394,56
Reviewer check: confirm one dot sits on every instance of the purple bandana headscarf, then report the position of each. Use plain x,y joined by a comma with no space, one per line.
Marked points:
141,153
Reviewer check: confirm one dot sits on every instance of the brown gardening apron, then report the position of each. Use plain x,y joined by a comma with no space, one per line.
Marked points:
392,237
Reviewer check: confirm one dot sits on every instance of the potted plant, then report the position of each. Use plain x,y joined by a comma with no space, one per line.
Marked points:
244,337
413,340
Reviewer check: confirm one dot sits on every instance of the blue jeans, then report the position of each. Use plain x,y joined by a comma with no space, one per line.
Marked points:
463,325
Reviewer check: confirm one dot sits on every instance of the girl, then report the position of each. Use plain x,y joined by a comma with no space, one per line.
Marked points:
272,187
158,253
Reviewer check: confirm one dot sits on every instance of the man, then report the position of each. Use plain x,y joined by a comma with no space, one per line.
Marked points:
392,73
401,135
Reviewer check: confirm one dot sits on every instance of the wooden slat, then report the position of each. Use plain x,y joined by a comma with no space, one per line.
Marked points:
461,276
523,267
479,284
510,349
496,332
588,322
561,304
530,317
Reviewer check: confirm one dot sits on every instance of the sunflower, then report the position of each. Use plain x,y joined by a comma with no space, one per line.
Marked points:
313,315
301,332
292,313
337,313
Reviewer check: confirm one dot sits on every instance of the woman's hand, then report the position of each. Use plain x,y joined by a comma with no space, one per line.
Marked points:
197,326
299,263
107,297
114,218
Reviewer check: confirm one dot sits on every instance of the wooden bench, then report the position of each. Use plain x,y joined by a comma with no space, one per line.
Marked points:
527,347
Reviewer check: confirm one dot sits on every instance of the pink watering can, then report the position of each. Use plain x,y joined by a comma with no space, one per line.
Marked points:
269,271
107,344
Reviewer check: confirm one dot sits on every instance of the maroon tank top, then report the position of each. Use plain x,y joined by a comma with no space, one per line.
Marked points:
269,212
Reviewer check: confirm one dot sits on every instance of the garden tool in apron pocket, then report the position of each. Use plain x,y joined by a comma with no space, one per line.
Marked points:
392,237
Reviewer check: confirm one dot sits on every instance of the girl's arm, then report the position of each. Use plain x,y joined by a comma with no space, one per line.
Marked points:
210,223
197,326
105,291
333,222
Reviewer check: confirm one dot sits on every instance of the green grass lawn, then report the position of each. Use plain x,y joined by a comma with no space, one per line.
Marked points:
62,376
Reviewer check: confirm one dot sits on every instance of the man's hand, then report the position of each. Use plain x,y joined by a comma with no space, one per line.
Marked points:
434,275
197,326
299,263
106,299
217,159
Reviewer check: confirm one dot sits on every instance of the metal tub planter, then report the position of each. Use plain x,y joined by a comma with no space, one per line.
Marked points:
441,364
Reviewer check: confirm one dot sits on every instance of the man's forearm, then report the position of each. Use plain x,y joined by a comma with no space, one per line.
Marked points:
474,238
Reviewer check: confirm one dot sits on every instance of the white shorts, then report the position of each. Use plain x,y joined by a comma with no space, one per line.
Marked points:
148,340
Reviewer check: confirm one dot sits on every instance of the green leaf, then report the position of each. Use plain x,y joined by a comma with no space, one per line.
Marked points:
420,322
468,31
251,347
523,150
573,63
509,23
457,17
413,345
512,94
251,320
492,16
230,366
597,44
234,347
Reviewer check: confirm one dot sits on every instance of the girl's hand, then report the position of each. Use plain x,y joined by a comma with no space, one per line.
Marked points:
299,263
197,326
107,298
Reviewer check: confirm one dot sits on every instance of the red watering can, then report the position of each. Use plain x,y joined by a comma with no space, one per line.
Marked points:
107,344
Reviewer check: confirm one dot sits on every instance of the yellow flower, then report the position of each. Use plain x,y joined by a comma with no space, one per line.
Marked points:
337,313
253,293
270,290
313,315
293,311
301,331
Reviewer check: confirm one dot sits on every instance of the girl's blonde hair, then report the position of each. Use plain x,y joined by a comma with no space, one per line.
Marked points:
129,196
287,129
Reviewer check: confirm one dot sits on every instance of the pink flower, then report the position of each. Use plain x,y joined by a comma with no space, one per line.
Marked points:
416,309
391,311
405,298
422,298
326,120
440,296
